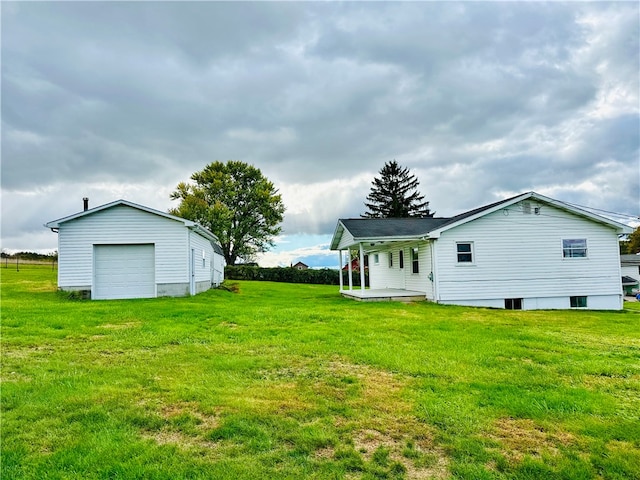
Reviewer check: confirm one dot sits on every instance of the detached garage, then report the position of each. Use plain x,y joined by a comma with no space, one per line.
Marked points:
126,250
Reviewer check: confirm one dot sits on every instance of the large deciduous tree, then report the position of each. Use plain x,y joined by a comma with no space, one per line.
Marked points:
395,194
632,243
237,203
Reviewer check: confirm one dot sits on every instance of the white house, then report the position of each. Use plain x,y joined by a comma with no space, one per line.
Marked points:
526,252
125,250
630,267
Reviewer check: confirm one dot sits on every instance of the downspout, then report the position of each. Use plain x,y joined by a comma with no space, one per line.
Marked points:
212,267
190,260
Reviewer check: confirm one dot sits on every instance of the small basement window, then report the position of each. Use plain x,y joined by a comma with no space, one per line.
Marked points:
513,304
578,302
464,252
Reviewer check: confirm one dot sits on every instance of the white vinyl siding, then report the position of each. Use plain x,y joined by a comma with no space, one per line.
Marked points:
631,271
419,282
200,245
519,255
383,275
346,240
121,225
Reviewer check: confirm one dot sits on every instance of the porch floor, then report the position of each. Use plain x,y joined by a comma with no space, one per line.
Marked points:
383,295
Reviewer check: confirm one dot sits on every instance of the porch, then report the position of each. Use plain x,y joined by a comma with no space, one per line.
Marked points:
383,295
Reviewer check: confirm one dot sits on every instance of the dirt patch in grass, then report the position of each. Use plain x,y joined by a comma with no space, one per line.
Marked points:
420,458
120,326
522,437
13,377
389,428
26,352
231,325
180,440
186,426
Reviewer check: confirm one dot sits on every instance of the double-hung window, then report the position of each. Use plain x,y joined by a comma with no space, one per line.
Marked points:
574,248
464,251
414,260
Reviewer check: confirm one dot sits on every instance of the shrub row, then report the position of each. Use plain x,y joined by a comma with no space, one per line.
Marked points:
323,276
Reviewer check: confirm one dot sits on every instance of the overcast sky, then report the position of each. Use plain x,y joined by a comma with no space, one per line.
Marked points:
480,100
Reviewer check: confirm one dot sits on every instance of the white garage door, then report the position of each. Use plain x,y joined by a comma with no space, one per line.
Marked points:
124,271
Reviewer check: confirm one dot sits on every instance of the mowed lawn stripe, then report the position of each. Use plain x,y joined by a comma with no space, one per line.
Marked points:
293,381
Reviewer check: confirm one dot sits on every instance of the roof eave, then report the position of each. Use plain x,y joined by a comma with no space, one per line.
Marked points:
337,235
203,231
438,231
56,223
620,227
381,240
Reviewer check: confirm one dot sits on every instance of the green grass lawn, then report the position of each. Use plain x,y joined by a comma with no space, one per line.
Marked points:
293,381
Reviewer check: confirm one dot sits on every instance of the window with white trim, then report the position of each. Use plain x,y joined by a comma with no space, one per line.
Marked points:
390,259
376,259
401,258
464,252
414,260
574,248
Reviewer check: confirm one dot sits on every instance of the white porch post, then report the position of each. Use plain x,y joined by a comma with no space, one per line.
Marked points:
340,267
350,270
361,268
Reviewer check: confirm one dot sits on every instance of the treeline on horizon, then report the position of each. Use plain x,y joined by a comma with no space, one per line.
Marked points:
323,276
30,255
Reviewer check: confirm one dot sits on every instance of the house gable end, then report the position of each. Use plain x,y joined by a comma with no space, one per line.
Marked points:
540,200
117,203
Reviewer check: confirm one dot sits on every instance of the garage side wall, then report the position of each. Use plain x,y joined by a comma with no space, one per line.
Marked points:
203,252
121,225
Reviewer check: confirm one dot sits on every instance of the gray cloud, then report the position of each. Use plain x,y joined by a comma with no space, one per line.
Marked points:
127,99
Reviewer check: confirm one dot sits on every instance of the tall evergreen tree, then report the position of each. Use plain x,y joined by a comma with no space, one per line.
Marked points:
395,194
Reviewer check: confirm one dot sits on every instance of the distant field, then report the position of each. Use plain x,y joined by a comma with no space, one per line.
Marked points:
282,381
7,263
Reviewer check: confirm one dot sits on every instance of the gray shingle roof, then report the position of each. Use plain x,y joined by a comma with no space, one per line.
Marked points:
414,228
405,227
391,227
